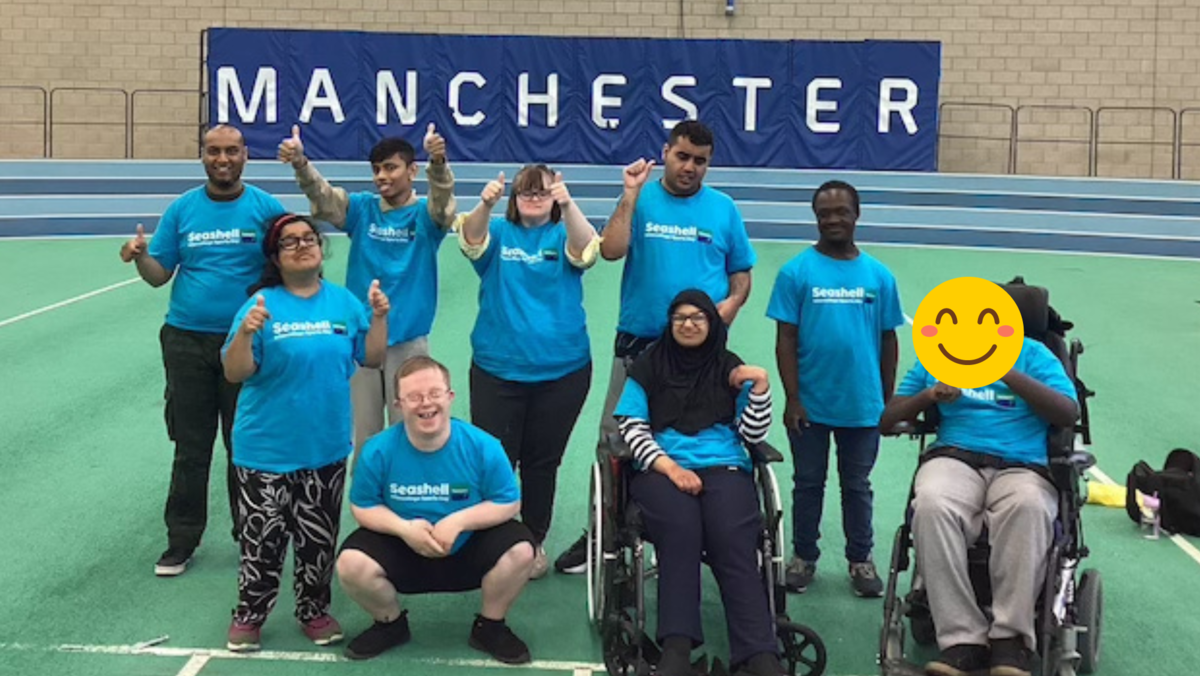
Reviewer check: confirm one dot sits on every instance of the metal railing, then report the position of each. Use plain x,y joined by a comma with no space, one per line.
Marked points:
125,111
985,108
1088,138
8,91
1173,144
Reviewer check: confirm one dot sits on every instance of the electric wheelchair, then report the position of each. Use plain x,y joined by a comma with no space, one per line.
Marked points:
618,569
1070,605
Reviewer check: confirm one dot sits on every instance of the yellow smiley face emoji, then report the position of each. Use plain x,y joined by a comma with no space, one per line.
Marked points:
968,332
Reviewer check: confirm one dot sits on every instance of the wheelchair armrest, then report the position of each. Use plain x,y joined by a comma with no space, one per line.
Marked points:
1080,460
901,428
617,448
763,453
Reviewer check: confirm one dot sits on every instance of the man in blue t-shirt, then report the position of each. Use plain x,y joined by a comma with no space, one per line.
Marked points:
674,234
836,310
209,241
987,469
435,499
394,237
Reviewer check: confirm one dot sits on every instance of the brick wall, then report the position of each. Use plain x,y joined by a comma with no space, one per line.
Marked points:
1074,55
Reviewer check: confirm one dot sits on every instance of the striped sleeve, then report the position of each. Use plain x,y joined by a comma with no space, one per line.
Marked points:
636,432
755,420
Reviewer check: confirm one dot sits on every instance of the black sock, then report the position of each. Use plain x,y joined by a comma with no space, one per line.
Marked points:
485,623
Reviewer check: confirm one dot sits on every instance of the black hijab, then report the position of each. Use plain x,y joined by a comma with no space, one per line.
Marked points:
688,387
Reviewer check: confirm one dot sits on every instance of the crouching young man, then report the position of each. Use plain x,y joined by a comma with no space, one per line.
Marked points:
436,499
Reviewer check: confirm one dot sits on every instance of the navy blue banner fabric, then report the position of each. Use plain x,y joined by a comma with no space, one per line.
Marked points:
802,104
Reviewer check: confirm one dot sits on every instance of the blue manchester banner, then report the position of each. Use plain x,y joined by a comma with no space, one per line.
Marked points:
802,104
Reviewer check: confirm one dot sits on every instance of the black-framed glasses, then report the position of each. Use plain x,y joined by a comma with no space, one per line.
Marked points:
695,319
293,243
532,195
417,398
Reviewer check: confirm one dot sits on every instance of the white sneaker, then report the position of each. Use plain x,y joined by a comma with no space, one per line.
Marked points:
541,564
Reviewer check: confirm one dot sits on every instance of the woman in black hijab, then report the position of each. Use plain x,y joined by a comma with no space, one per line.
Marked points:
688,406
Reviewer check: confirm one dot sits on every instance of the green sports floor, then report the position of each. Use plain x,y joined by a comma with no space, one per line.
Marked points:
86,461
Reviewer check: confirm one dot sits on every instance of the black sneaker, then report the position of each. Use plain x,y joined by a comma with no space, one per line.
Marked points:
865,580
381,637
959,660
799,574
676,657
1010,657
173,562
496,639
574,560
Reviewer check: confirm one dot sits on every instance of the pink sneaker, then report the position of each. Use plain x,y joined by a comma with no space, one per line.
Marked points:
323,630
243,638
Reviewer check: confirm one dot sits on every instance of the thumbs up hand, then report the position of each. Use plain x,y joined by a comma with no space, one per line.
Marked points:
256,318
493,191
135,247
558,191
435,145
291,149
380,305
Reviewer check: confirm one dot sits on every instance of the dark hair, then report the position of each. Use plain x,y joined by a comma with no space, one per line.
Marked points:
828,186
693,130
222,127
530,178
271,274
390,146
419,363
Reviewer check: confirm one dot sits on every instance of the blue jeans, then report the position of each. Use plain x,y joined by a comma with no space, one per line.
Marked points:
857,448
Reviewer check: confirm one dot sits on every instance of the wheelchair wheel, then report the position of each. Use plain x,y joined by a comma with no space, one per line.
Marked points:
891,632
595,547
622,654
1089,613
803,650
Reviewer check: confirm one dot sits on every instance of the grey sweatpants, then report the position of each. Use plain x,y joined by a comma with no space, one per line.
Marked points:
373,391
952,504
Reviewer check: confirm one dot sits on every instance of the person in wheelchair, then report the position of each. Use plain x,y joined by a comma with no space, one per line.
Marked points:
988,469
687,407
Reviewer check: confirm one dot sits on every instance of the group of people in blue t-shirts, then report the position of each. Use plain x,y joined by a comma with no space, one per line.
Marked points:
300,374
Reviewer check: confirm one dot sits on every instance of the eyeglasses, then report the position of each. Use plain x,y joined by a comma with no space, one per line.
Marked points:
532,195
697,319
293,243
434,396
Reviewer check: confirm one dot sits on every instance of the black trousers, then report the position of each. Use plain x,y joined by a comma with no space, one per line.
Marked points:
534,422
303,507
197,398
722,525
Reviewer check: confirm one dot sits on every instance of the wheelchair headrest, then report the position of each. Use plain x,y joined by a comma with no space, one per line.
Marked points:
1034,304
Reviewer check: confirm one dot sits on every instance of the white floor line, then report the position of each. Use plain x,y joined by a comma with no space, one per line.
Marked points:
194,665
582,672
69,301
289,656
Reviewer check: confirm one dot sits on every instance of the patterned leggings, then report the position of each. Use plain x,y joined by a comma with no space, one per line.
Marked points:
305,507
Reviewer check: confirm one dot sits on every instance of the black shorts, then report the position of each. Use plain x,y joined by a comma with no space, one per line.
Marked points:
411,573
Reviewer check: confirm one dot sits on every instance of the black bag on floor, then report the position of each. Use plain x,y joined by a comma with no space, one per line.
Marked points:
1178,488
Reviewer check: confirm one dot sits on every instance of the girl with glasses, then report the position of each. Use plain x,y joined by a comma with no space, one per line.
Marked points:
531,358
294,345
